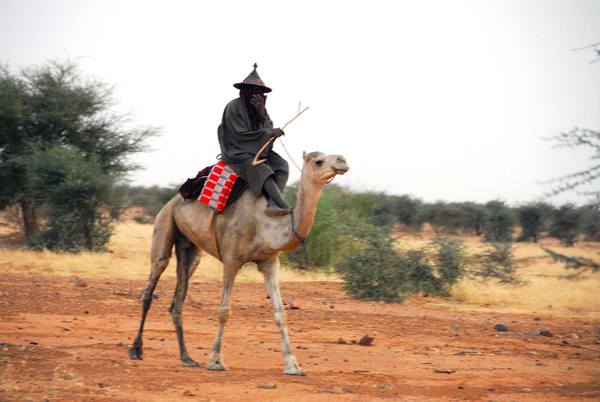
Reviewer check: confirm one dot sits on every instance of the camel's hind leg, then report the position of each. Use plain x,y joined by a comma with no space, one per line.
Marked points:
188,257
162,244
270,270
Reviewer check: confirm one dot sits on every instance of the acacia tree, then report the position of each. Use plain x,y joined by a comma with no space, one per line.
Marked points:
580,138
590,216
566,224
404,210
55,105
442,216
576,181
499,222
533,218
472,217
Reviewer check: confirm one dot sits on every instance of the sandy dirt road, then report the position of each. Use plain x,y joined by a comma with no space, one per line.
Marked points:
59,341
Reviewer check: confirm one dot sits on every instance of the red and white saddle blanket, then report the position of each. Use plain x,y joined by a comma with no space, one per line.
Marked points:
217,187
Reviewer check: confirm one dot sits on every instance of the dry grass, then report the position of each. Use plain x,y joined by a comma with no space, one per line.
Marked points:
543,292
127,258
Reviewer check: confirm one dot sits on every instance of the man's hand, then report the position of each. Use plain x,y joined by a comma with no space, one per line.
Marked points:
277,132
259,104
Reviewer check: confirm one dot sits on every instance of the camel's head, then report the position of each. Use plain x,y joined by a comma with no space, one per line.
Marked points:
321,168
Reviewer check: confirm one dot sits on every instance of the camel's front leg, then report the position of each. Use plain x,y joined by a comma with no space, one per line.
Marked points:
270,270
216,356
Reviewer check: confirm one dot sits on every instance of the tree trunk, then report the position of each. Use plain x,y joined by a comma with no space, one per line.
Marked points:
30,222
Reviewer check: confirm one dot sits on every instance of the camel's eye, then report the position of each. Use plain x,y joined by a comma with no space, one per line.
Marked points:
319,162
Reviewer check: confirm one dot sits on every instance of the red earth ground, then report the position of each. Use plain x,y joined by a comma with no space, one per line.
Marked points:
61,340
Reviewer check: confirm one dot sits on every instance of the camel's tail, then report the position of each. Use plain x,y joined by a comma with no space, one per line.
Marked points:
163,237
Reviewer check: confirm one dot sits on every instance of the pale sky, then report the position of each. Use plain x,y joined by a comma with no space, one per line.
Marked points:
440,100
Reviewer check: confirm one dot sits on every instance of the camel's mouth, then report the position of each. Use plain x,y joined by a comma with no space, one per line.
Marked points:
339,166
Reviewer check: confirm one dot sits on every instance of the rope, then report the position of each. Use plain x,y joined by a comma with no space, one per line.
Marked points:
302,239
289,156
213,223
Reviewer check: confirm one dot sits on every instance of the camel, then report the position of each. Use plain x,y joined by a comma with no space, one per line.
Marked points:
241,233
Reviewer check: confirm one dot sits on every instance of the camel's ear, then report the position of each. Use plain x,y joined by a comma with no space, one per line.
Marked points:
305,156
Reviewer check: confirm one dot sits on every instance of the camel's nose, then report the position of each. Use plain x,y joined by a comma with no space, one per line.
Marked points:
341,165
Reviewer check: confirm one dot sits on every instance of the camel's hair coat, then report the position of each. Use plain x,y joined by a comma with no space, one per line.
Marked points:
241,234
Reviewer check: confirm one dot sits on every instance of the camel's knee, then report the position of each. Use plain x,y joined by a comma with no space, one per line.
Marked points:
159,264
176,310
280,317
146,293
194,264
146,300
224,315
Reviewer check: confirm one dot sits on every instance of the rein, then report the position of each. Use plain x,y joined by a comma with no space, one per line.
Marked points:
302,239
289,156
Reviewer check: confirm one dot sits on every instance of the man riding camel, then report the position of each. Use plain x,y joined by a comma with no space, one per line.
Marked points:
244,129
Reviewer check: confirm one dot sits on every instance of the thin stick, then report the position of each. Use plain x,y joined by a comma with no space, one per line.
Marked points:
258,162
295,117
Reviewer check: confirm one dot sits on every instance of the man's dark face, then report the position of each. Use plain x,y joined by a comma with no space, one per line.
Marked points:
248,90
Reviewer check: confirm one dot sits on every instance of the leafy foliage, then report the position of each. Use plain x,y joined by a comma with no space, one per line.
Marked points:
455,217
533,219
472,217
56,106
578,263
449,256
443,217
403,210
80,199
324,240
150,199
365,205
579,137
590,216
499,222
373,268
565,224
497,262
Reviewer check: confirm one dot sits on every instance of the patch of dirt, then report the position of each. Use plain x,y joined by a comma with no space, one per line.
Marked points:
60,340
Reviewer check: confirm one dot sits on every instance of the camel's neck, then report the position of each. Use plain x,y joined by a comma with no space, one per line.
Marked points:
306,207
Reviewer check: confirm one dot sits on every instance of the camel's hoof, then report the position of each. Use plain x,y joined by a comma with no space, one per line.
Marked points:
218,366
295,371
189,362
135,353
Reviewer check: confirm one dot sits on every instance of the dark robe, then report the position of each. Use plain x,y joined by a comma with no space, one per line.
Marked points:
240,142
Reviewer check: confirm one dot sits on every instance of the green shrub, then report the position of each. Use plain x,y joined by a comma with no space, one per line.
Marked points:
496,262
449,257
370,270
323,241
373,268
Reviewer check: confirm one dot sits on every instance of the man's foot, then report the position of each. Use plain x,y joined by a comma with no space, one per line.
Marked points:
276,205
274,210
